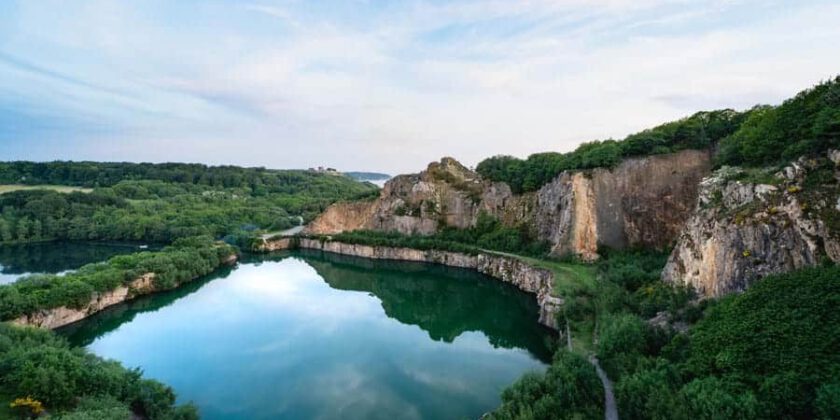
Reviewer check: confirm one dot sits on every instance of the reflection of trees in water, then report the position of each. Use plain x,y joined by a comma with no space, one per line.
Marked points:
84,332
443,301
54,257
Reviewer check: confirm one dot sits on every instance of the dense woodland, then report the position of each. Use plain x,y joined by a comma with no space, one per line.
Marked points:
161,211
806,124
770,352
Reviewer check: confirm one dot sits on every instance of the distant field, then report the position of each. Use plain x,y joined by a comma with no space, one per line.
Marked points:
60,188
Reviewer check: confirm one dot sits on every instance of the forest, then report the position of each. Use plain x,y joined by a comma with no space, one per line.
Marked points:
162,211
807,124
767,353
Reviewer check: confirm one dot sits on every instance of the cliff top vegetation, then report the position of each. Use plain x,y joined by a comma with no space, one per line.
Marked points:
807,124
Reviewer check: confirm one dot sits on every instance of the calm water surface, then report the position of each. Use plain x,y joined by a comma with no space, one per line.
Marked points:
308,335
55,257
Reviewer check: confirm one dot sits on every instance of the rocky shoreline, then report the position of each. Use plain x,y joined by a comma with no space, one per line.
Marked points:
58,317
527,278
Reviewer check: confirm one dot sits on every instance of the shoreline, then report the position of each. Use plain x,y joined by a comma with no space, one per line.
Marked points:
530,279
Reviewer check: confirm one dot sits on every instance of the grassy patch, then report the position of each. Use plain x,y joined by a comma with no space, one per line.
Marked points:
58,188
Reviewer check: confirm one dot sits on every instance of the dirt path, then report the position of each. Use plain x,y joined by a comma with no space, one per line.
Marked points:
610,410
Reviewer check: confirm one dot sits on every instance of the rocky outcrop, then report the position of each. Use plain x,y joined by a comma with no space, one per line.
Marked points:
742,231
58,317
445,194
342,217
640,202
274,244
510,270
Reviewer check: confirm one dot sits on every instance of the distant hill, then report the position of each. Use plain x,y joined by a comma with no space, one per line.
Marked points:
368,176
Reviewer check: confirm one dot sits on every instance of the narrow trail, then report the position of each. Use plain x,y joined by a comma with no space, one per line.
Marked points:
610,410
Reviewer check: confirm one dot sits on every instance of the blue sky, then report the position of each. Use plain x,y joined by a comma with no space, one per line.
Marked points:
388,86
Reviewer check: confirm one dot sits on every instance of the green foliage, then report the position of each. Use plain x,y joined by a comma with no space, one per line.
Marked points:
76,384
171,204
828,401
698,131
488,233
186,259
770,352
621,343
631,269
570,389
779,339
806,124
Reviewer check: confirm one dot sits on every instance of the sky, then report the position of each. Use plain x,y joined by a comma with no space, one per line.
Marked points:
385,85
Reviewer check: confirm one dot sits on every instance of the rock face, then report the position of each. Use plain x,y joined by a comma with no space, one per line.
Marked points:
641,202
741,231
57,317
445,194
510,270
274,244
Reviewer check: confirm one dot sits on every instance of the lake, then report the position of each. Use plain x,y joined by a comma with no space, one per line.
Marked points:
55,257
312,335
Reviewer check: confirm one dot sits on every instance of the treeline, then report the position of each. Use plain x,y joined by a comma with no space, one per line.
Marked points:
39,372
698,131
488,233
807,124
161,211
770,352
106,174
185,260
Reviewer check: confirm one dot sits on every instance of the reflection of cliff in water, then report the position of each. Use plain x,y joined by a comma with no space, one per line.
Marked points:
443,301
84,332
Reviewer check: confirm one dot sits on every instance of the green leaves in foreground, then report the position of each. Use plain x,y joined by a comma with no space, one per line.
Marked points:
570,389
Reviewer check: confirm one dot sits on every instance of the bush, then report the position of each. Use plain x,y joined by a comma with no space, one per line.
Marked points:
75,384
807,124
570,389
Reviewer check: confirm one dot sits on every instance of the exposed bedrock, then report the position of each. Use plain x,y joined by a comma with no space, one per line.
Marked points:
742,231
640,202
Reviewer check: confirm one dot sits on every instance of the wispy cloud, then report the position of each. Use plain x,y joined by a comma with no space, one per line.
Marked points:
388,85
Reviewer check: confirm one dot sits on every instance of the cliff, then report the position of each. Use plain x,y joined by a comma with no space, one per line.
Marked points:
640,202
445,194
742,230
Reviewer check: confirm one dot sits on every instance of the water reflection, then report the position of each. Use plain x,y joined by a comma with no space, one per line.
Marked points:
55,257
312,336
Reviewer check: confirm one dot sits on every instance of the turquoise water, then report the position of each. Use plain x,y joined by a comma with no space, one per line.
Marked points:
55,257
323,336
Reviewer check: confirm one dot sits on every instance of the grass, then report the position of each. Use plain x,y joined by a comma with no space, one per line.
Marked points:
59,188
570,279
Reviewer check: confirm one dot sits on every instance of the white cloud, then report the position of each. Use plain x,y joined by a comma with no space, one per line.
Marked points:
392,86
